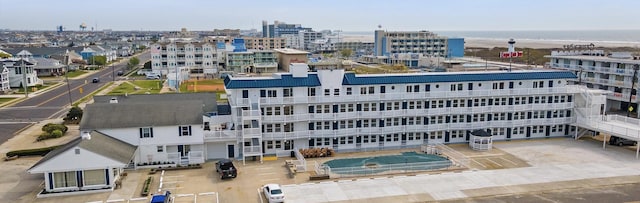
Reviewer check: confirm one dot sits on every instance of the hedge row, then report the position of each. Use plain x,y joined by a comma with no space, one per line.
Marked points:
31,152
51,135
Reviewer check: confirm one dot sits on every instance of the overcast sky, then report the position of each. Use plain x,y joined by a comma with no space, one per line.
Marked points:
346,15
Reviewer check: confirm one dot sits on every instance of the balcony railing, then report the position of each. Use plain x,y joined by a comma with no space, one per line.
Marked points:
407,96
252,149
221,135
416,128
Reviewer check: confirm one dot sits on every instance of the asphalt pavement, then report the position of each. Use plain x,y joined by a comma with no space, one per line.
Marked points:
56,102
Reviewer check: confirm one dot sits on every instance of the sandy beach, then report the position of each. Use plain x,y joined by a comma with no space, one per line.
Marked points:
520,43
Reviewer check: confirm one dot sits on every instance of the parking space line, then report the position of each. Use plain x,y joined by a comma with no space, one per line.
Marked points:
265,174
259,195
270,180
483,166
514,163
115,200
494,162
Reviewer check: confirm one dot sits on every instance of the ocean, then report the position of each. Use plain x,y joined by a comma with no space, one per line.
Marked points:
612,36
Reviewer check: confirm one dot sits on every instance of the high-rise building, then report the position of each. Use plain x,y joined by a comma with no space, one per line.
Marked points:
279,28
416,42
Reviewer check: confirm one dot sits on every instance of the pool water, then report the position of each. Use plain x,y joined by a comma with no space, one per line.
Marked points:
376,164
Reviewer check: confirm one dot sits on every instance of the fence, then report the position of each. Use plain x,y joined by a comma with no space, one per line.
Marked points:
382,169
458,159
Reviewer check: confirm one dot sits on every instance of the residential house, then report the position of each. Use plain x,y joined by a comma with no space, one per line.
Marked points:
95,50
48,67
16,70
92,162
165,127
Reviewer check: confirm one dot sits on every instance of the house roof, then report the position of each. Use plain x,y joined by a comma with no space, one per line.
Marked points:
44,63
352,79
128,115
208,99
44,51
100,144
285,80
481,133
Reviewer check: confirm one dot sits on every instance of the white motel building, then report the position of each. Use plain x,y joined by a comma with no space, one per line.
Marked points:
348,112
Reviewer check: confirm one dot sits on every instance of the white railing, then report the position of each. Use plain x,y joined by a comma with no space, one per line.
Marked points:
252,149
407,96
174,157
251,131
250,113
604,124
221,135
196,157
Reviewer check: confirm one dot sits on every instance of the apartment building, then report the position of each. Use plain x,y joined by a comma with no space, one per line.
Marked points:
302,40
358,48
615,72
252,61
277,29
420,42
348,112
199,57
260,43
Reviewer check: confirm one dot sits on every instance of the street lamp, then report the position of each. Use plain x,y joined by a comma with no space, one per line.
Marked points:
633,84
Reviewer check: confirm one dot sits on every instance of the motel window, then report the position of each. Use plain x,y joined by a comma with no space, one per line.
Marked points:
371,90
327,92
348,91
311,92
287,92
271,93
94,177
184,130
146,132
336,92
65,179
160,148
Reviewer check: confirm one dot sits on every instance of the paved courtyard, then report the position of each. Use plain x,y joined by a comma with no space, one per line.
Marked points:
516,169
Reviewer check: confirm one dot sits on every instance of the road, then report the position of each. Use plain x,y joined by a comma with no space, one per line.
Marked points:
55,102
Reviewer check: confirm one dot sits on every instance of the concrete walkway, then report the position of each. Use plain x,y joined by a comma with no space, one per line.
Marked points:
554,164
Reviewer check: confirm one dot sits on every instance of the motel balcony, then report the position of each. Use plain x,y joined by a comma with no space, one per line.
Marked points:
329,133
406,96
221,135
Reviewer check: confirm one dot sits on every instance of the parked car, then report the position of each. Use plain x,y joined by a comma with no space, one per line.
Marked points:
120,73
620,141
95,80
163,198
225,169
153,77
273,193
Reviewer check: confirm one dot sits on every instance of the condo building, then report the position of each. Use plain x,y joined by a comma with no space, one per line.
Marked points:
615,72
349,112
264,43
416,42
277,29
199,57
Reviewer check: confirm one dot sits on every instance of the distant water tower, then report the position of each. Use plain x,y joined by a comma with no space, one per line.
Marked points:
83,26
59,28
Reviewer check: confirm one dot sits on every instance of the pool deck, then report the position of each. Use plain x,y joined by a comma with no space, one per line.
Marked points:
554,164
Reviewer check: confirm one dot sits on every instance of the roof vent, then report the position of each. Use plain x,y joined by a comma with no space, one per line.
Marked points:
113,100
86,136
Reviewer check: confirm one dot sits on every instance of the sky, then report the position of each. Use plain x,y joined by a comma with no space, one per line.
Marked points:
346,15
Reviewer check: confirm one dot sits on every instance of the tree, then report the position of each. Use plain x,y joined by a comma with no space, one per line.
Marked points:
98,60
4,55
346,53
133,62
74,115
147,65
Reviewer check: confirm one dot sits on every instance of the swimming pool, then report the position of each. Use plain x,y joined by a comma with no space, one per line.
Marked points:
406,161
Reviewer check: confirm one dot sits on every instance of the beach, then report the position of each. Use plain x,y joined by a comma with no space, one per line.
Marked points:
520,43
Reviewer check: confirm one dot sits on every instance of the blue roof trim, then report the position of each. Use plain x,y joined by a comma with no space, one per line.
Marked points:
351,79
285,81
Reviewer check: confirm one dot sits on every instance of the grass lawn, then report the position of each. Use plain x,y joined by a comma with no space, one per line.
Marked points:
5,100
184,85
150,86
31,89
76,73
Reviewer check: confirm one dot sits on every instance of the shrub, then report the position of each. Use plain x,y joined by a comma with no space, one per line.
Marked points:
31,152
50,127
46,135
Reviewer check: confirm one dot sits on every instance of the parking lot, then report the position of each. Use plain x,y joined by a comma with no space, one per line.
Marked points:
563,160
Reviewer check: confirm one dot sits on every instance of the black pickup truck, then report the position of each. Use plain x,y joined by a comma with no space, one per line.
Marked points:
225,169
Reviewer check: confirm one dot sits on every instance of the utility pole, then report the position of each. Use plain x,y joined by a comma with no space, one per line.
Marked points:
633,84
66,75
24,77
